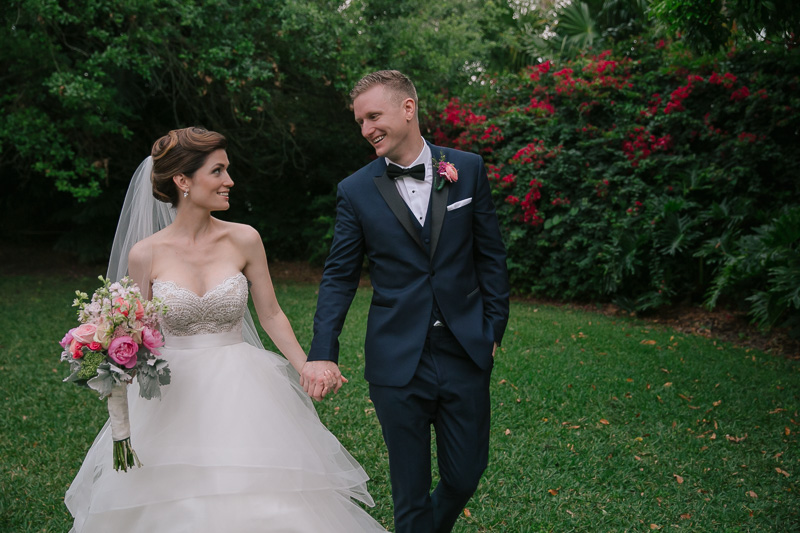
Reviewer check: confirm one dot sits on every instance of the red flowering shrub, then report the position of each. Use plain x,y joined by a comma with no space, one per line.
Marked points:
630,175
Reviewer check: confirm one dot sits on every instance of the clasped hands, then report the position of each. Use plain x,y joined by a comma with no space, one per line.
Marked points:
318,378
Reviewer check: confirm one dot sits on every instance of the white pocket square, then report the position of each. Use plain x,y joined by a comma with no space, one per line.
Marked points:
460,203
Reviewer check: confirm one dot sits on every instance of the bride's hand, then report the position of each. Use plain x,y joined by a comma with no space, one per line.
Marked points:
318,378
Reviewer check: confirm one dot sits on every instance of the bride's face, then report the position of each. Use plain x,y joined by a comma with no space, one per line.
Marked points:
210,185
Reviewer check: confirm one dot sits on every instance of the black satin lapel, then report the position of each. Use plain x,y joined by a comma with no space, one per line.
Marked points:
388,190
438,209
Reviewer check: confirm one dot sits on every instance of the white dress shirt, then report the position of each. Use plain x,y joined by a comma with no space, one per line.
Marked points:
416,193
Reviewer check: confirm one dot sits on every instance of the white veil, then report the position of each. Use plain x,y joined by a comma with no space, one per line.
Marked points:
141,216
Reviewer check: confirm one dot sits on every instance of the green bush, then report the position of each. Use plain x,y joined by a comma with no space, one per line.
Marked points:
637,174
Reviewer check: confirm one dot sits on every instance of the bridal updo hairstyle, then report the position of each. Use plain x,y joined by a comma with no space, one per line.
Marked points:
181,151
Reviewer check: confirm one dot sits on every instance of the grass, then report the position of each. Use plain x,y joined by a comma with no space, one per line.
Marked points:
599,424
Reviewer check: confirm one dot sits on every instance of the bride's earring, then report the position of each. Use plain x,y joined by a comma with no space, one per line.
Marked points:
185,194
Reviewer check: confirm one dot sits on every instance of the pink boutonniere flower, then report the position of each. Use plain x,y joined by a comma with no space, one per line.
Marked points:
447,172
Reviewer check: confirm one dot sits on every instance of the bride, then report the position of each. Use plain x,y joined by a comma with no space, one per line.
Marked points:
235,444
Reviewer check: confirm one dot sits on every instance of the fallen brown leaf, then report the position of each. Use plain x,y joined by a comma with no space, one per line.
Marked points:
736,439
467,513
685,516
508,432
751,494
604,421
784,472
554,492
648,342
678,478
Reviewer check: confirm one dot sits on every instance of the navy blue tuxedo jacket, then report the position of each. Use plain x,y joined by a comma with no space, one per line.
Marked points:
463,266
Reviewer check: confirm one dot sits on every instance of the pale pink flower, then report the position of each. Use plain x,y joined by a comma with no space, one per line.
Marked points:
84,333
152,339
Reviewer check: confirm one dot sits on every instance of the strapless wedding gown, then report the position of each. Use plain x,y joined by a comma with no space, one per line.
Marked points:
233,446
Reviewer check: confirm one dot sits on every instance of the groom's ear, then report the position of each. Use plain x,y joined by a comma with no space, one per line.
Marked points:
409,109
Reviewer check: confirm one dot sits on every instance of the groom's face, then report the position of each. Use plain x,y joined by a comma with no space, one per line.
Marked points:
387,123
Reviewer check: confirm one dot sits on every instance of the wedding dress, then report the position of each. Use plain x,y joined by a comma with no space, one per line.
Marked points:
234,445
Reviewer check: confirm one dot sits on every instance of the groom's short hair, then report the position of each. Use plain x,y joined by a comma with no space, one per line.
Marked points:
394,80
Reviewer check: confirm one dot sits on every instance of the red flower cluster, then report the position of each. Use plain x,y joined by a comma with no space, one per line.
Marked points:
538,70
642,143
726,79
544,105
535,153
530,213
677,97
457,115
740,94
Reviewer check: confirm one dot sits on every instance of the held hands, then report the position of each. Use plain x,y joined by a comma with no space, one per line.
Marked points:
318,378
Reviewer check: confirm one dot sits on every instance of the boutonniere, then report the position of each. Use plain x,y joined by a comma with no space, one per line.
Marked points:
446,172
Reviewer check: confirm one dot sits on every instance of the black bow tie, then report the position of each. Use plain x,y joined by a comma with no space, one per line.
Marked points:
417,172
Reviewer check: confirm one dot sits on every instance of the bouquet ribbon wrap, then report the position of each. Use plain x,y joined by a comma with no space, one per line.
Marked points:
124,456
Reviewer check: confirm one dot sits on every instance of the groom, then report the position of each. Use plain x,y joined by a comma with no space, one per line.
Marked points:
425,219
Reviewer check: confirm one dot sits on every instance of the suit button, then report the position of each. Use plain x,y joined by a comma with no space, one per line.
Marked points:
427,241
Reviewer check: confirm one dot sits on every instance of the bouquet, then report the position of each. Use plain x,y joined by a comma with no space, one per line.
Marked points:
117,340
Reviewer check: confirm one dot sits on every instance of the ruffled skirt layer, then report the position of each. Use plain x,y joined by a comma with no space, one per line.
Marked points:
234,445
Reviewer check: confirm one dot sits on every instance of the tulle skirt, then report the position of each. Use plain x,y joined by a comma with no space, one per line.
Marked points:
234,445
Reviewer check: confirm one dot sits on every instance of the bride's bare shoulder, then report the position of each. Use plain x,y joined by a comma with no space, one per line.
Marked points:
143,250
241,233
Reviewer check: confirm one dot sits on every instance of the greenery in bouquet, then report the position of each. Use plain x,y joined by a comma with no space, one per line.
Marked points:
117,339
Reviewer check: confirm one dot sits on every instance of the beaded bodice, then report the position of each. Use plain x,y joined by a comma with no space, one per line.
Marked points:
219,310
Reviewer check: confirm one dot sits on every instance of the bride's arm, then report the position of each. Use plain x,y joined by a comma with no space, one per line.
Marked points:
270,314
139,263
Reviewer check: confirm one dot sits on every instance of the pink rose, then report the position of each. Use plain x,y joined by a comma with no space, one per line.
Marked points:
152,339
448,172
95,346
85,333
67,340
75,349
123,351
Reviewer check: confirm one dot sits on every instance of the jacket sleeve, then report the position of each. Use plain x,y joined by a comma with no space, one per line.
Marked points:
340,280
490,257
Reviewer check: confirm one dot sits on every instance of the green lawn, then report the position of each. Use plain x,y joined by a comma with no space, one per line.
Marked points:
600,424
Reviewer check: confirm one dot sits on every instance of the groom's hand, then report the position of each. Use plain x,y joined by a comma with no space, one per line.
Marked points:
318,378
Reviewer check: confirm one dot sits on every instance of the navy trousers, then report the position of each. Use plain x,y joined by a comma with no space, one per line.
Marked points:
451,393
